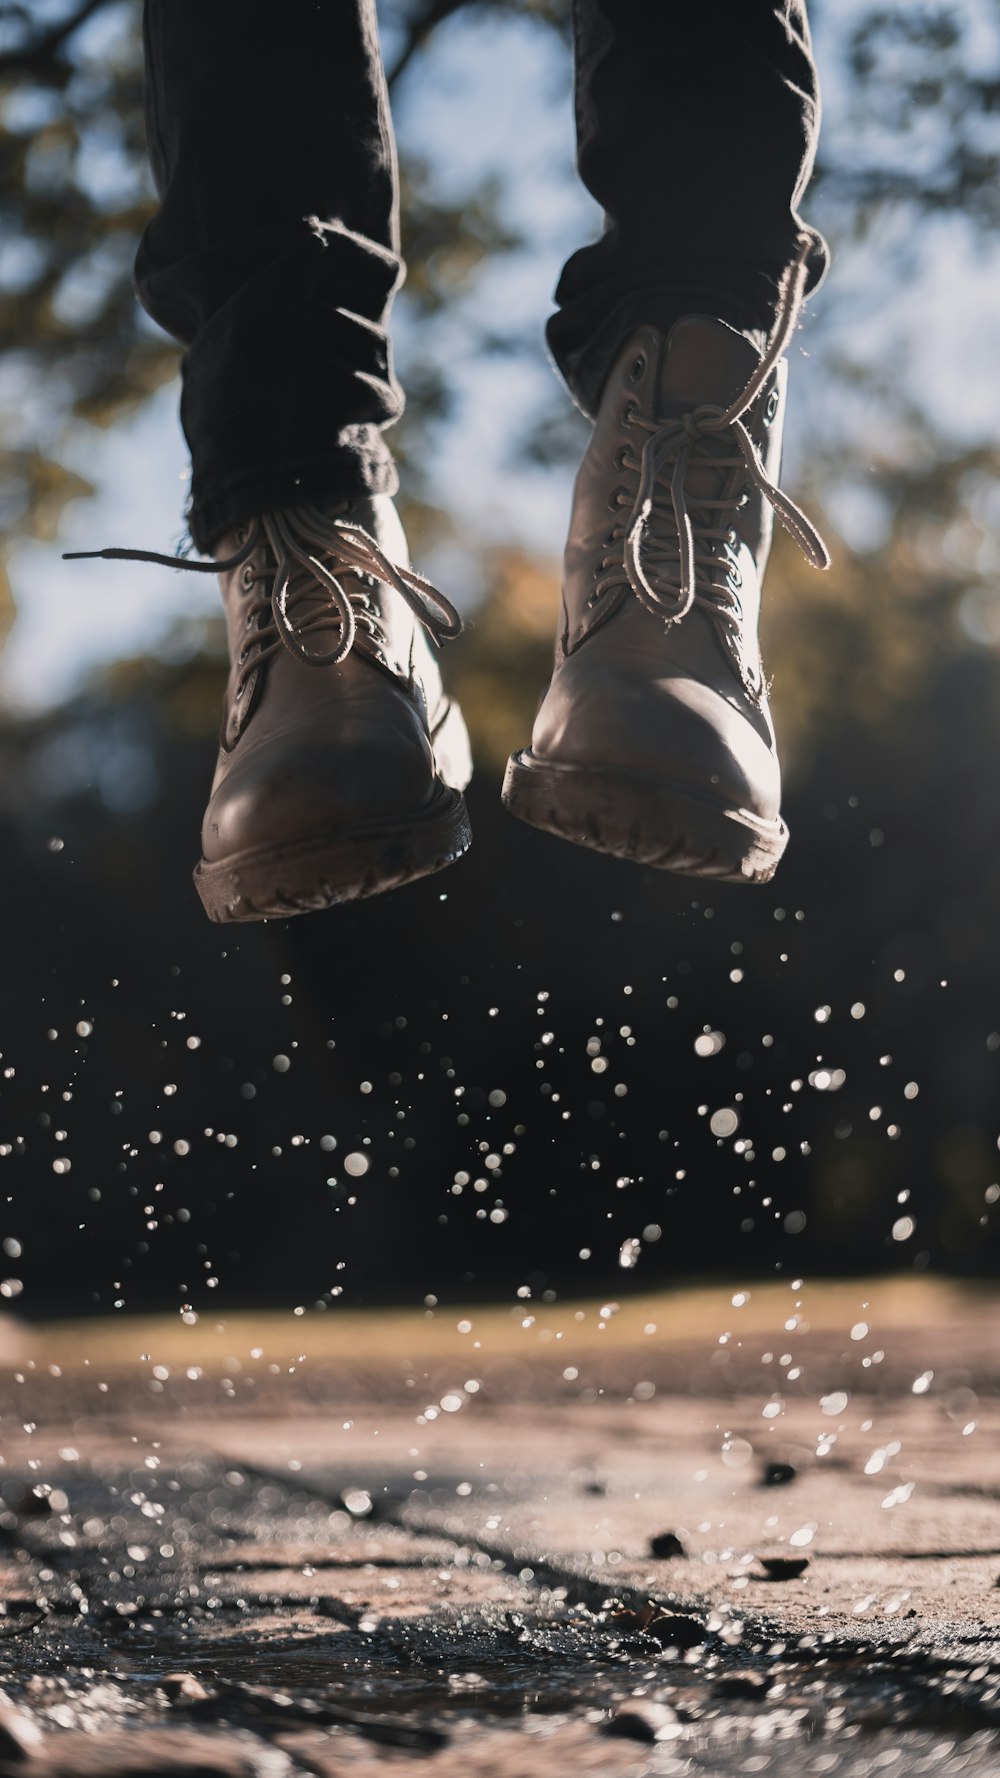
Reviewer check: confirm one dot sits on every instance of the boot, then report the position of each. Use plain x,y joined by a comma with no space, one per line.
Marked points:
341,761
654,740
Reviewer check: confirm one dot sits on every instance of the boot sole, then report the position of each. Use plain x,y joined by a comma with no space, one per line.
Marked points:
275,882
647,820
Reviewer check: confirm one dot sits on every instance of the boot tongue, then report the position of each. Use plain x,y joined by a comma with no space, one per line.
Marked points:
705,362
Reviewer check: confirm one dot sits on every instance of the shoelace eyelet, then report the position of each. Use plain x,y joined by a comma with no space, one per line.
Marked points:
617,499
637,368
670,572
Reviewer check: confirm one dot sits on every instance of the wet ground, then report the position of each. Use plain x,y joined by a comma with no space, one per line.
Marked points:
705,1533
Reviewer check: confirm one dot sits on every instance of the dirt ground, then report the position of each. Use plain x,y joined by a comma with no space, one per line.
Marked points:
708,1532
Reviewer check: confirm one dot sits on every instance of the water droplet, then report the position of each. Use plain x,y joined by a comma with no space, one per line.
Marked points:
736,1452
358,1502
899,1495
724,1122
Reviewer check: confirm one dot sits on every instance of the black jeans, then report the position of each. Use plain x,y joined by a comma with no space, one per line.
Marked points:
274,254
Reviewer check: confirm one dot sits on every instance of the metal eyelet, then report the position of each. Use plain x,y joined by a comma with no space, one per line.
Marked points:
773,403
735,575
628,414
247,576
618,498
637,368
240,689
618,460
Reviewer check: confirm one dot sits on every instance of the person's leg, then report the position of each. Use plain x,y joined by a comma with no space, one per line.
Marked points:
274,253
697,131
696,127
273,257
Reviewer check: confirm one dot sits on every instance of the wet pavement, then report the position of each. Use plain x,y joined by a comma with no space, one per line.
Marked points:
712,1532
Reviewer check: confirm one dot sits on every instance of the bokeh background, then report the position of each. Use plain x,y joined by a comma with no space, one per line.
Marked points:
542,1071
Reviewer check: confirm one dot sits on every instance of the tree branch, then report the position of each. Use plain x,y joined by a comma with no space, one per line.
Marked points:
32,56
419,29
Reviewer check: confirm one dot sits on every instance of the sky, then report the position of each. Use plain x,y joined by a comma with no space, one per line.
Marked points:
501,89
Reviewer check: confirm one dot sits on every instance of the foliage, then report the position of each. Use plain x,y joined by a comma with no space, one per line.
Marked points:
74,346
75,194
922,127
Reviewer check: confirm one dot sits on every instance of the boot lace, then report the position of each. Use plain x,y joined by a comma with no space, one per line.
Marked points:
672,562
311,554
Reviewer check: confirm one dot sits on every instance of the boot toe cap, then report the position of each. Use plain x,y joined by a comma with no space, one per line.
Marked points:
673,729
281,796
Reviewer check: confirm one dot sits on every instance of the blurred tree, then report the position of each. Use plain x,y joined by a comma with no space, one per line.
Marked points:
922,122
917,142
75,348
920,136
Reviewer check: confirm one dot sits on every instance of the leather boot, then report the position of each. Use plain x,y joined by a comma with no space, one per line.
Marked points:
341,761
654,741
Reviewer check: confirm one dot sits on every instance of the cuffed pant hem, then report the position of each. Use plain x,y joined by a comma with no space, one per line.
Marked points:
340,475
585,335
